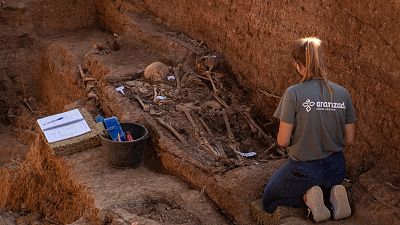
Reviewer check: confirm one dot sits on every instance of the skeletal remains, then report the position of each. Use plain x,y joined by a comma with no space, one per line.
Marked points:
147,95
90,84
145,108
213,104
199,136
234,145
172,130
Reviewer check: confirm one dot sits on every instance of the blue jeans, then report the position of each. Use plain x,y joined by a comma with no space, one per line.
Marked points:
289,183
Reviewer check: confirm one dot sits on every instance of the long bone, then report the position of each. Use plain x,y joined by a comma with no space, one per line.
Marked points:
177,77
255,128
145,108
172,130
233,144
186,108
208,75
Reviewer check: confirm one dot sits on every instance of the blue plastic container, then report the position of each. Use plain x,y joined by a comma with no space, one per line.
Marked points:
113,127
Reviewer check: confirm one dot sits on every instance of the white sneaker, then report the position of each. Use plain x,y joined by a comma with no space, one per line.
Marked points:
340,202
315,203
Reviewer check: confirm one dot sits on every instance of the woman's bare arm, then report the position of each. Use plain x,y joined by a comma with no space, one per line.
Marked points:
349,134
284,133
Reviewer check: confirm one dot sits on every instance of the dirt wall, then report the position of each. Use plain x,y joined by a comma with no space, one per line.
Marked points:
23,24
18,49
361,46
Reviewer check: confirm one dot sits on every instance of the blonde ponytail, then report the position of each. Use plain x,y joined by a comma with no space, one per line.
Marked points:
307,52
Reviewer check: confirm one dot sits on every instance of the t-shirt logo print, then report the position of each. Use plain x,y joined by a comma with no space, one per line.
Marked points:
308,104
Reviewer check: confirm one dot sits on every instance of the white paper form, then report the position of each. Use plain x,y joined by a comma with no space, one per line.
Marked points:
63,126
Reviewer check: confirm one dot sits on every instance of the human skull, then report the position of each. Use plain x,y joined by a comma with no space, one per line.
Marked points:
156,72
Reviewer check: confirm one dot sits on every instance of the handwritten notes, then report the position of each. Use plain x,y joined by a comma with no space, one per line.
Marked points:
63,126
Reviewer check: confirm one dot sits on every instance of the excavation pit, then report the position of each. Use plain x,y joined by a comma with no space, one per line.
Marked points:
198,178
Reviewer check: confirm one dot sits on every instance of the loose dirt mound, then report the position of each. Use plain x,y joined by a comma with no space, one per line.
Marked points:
43,184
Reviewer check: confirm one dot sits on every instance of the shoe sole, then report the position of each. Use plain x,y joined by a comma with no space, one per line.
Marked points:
315,202
340,202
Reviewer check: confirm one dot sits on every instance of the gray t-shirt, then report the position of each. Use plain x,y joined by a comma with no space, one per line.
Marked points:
318,122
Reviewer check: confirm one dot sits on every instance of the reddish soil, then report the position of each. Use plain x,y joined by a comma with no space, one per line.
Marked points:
361,48
147,192
13,150
43,42
23,23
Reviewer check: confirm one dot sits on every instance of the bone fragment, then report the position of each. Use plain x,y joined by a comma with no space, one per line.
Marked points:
186,108
184,78
214,105
260,132
270,148
26,102
204,142
88,79
189,116
83,75
177,77
233,144
145,108
269,94
89,87
92,95
155,113
253,129
52,221
155,100
172,130
220,149
208,75
10,114
205,126
222,102
201,77
228,126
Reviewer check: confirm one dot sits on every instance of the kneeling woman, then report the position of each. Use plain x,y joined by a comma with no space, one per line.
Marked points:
316,123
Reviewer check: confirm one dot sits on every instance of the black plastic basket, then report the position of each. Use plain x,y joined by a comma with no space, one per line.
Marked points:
126,153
